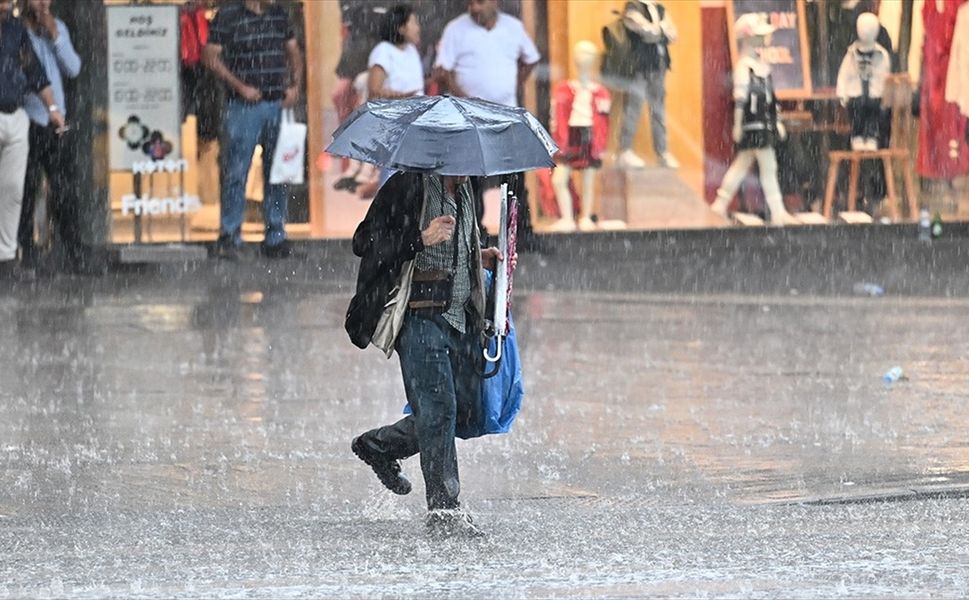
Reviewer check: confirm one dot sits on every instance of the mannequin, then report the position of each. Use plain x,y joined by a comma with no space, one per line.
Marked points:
755,125
636,62
861,82
581,131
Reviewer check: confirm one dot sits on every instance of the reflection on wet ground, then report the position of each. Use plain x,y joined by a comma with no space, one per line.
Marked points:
162,439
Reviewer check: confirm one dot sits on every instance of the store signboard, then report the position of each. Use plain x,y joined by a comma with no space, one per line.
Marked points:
144,107
787,51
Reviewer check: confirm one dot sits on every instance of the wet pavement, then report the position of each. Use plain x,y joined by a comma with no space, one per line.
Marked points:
184,431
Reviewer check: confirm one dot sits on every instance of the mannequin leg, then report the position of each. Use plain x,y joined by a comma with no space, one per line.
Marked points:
656,92
767,161
560,183
731,181
633,100
856,117
872,122
588,195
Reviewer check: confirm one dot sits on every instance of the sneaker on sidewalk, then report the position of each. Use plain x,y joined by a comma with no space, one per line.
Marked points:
630,160
226,249
451,523
387,469
282,250
668,161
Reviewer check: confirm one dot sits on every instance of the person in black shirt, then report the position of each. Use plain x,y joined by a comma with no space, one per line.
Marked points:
252,48
20,73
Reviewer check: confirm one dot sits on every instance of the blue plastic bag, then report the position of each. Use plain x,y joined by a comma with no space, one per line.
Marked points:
501,394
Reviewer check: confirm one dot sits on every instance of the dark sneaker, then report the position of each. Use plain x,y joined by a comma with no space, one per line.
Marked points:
12,270
226,249
387,469
281,250
451,523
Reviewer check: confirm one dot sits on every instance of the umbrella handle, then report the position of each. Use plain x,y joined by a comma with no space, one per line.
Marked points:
497,356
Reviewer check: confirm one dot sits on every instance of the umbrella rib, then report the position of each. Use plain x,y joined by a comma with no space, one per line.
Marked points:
408,121
477,132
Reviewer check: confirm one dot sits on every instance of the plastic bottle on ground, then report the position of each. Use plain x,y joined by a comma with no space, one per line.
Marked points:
868,289
937,225
925,226
894,374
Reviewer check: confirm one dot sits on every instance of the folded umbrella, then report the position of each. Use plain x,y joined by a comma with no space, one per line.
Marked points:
445,135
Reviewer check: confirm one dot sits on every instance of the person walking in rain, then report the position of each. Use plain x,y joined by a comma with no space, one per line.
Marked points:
427,219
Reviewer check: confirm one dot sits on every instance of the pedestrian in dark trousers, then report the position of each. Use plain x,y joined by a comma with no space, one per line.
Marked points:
488,54
252,47
50,152
20,74
438,347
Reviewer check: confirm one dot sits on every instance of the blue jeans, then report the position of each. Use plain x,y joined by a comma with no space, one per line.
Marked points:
245,126
443,386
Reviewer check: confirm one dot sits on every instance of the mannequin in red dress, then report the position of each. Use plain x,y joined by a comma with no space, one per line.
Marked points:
942,146
581,131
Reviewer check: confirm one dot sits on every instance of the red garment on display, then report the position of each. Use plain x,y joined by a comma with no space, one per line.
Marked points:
194,34
547,200
941,123
580,157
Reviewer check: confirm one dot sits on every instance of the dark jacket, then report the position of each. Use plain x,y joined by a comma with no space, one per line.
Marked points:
20,70
388,236
626,54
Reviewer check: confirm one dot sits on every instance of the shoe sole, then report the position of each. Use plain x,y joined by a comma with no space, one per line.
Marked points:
404,487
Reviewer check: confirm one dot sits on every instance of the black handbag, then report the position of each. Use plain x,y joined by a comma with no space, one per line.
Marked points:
430,291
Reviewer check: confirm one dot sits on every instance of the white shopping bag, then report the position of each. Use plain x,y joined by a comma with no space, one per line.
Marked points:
290,151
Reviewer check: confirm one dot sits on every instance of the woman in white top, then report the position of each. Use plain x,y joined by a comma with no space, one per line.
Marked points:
395,64
395,72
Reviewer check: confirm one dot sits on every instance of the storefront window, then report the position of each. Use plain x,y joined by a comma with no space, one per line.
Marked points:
645,117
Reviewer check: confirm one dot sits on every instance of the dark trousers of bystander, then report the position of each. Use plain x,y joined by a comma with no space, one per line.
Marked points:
50,155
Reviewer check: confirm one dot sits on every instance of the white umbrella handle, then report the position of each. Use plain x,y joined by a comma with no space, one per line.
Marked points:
499,342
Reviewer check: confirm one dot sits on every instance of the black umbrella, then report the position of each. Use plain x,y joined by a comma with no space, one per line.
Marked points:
445,135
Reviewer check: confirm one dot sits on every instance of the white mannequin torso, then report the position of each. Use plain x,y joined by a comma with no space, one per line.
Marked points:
582,108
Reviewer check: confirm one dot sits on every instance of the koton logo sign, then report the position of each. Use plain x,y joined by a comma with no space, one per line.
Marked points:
159,206
147,167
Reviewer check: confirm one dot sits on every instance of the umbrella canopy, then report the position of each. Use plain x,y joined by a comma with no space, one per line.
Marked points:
445,135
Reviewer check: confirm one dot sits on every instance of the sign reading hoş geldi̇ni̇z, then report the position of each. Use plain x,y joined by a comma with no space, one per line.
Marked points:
787,50
144,107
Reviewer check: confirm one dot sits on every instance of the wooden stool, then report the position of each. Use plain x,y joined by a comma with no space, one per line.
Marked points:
855,157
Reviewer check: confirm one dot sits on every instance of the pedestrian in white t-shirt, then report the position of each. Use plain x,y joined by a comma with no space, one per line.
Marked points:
395,63
486,54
